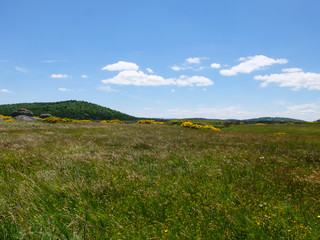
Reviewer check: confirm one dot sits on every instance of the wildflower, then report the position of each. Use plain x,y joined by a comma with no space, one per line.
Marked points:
166,230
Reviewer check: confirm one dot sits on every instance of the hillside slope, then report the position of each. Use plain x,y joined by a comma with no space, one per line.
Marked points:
68,109
273,119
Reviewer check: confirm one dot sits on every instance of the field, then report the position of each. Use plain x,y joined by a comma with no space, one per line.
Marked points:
130,181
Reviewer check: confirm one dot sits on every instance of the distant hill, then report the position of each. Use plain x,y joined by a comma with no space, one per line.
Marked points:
273,119
68,109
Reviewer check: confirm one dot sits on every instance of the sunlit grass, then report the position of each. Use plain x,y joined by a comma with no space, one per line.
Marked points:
132,181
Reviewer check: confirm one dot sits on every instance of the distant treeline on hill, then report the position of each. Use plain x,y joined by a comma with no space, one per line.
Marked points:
273,120
68,109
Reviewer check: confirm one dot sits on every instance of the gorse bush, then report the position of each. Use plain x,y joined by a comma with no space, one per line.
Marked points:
2,116
57,120
116,121
9,121
198,126
86,121
149,122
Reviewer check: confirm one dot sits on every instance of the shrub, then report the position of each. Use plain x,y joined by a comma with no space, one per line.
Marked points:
57,120
2,116
116,121
198,126
149,122
9,121
86,121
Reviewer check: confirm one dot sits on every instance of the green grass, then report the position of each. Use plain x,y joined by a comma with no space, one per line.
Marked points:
130,181
298,129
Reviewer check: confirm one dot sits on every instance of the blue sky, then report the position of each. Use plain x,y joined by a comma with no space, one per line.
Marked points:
165,58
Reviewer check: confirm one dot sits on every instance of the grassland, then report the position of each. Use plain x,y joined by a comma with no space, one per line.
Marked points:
130,181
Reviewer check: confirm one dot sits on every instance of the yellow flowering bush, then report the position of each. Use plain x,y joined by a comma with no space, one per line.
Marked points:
116,121
187,124
56,120
86,121
149,122
198,126
259,124
2,116
9,121
280,133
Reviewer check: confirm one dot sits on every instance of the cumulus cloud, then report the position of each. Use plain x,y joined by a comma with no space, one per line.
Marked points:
189,64
139,78
59,76
252,63
21,69
107,89
308,112
198,81
84,76
121,66
64,89
193,60
215,65
5,90
292,77
149,70
177,68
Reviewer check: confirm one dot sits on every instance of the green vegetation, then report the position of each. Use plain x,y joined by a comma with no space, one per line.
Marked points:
68,109
158,181
273,119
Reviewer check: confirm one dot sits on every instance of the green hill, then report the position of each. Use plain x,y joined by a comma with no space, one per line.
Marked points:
273,119
68,109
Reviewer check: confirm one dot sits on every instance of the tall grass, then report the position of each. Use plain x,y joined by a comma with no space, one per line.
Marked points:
96,181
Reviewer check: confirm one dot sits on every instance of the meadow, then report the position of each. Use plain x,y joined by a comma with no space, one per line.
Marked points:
159,181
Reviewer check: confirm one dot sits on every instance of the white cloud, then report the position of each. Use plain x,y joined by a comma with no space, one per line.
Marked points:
177,68
189,64
172,90
193,60
106,89
290,70
250,64
149,70
121,66
292,77
21,69
60,76
64,89
215,65
198,81
308,112
139,78
84,76
5,90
